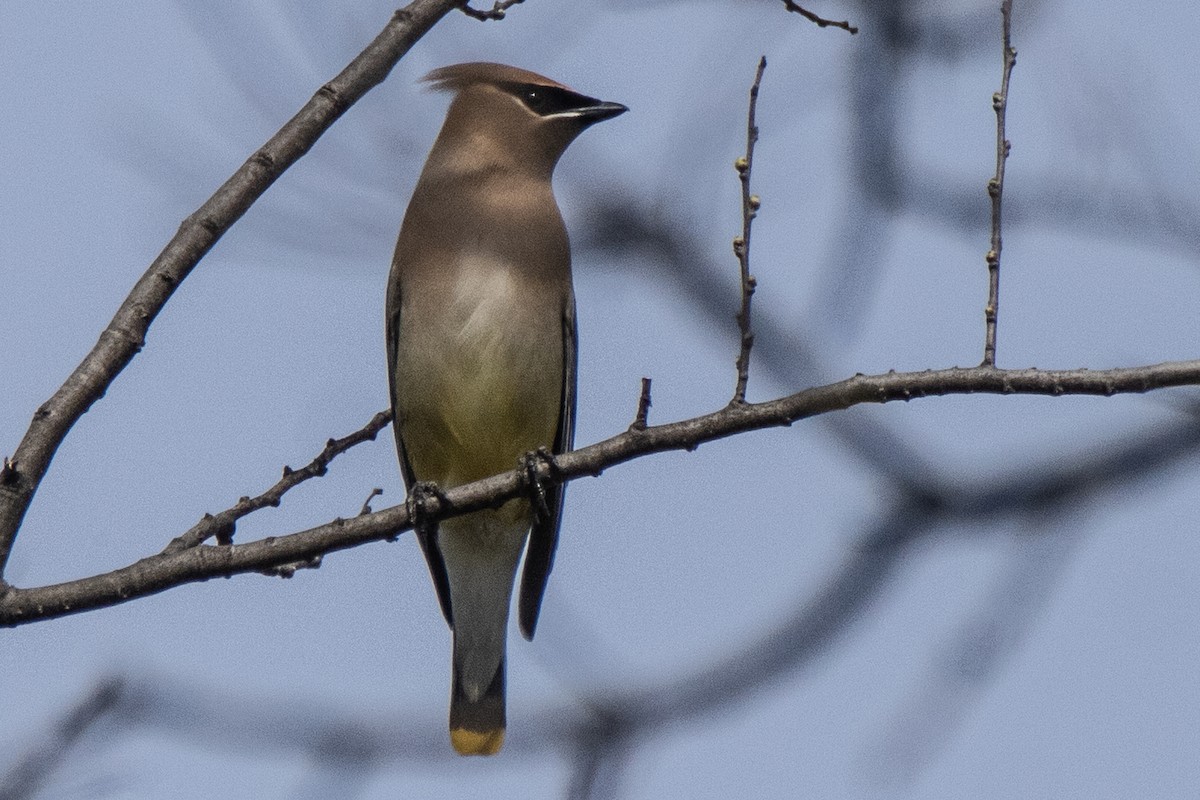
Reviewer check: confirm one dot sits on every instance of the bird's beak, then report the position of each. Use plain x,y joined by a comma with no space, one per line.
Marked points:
599,112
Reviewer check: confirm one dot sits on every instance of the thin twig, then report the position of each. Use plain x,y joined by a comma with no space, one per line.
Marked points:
126,333
222,525
821,21
643,409
497,10
995,188
780,348
741,244
376,492
189,565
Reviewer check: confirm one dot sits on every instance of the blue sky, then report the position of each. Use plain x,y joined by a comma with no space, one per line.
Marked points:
1049,651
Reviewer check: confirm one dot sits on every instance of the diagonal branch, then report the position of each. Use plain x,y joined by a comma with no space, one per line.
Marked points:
125,335
169,569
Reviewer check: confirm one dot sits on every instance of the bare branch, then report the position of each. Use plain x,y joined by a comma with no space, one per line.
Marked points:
821,22
126,333
741,244
222,525
995,189
166,570
596,733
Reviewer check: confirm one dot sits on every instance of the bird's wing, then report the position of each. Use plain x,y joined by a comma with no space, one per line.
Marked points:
427,538
543,538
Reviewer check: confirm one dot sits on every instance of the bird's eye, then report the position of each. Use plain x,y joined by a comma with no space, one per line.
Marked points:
536,100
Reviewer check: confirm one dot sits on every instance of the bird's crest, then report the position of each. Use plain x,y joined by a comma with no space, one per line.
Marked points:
457,77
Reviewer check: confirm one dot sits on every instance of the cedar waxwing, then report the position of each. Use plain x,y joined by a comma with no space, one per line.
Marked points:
481,353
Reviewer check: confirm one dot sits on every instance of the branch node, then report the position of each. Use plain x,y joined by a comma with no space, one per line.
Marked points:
289,570
333,95
221,529
497,11
366,506
263,158
8,473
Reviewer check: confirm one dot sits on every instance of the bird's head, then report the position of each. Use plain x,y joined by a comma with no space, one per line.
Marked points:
509,115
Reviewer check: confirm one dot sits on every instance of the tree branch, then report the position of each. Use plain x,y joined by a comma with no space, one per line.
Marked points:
223,524
595,731
166,570
995,189
741,244
126,333
820,21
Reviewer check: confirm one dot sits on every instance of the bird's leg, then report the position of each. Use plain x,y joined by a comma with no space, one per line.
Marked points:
531,464
417,504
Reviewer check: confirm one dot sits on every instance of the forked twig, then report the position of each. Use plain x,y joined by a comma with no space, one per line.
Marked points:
221,525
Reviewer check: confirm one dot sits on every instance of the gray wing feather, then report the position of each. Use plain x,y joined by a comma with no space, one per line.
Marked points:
543,537
428,538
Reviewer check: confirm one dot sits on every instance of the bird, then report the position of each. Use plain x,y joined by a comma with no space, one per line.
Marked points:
481,349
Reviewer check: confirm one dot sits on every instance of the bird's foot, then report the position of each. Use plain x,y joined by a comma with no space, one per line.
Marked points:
531,464
417,504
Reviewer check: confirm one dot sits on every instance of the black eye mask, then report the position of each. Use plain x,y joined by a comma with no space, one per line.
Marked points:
547,100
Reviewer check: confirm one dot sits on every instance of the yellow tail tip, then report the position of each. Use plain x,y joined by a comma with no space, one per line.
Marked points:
477,743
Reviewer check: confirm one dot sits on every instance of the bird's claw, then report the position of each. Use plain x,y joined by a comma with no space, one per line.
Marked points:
417,504
531,464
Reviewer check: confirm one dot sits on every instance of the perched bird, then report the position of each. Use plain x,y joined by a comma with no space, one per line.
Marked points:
481,353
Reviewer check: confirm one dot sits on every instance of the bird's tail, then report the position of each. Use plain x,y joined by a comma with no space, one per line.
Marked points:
481,553
476,719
